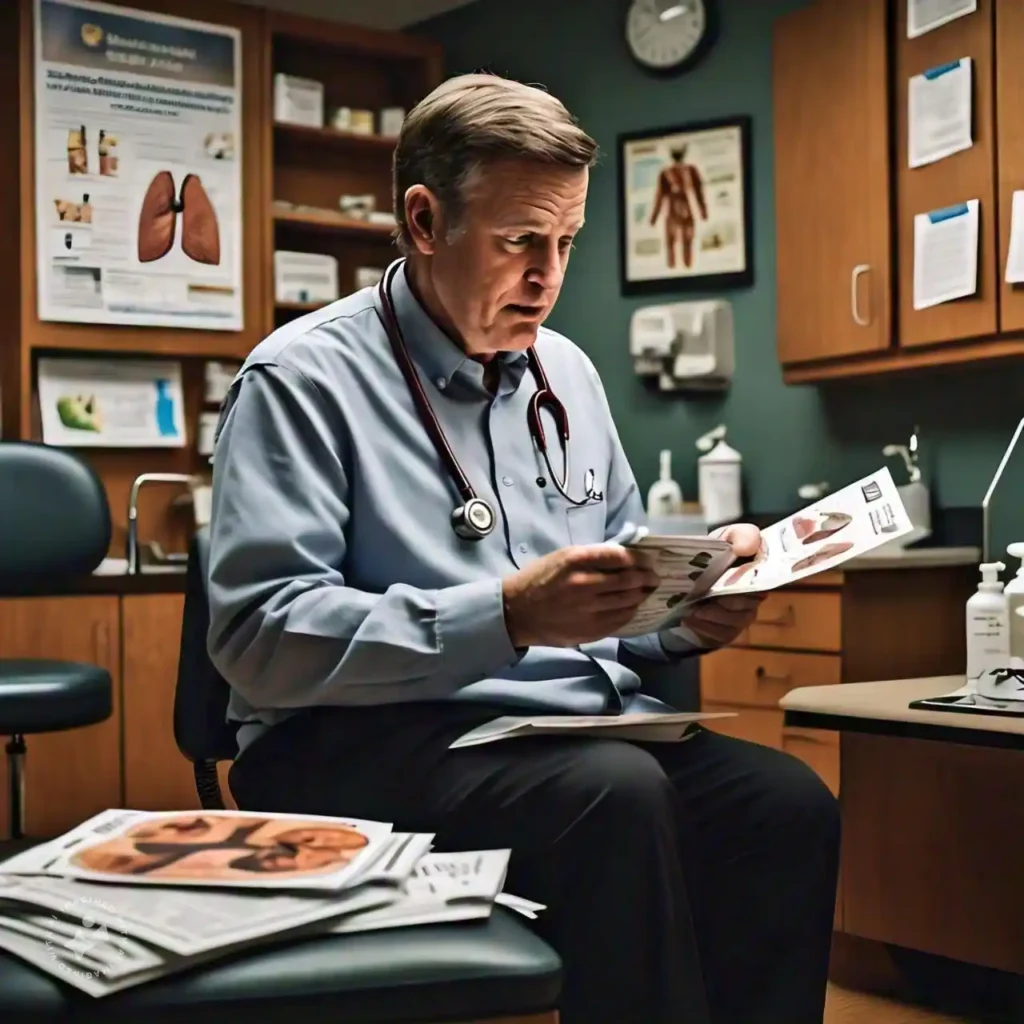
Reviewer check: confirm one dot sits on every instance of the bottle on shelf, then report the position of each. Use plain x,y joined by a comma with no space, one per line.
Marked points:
988,627
665,497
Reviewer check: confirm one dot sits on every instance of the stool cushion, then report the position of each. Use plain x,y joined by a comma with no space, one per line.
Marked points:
430,974
45,696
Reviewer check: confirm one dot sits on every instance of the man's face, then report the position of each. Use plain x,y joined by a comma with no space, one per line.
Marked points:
499,275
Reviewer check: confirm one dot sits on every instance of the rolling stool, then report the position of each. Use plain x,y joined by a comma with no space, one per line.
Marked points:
54,524
485,972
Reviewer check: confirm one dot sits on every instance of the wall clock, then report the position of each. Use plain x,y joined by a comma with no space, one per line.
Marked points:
670,36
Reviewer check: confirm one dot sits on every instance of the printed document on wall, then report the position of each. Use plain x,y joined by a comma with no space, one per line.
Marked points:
945,254
138,137
926,15
1015,257
101,403
939,112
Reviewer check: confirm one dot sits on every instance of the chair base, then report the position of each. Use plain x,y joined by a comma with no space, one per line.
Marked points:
16,785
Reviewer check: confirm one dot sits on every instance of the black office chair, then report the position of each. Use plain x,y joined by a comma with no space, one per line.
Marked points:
54,524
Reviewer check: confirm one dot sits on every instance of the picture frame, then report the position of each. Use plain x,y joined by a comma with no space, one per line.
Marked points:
685,198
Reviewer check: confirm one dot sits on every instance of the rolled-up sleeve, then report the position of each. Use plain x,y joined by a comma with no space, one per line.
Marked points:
285,629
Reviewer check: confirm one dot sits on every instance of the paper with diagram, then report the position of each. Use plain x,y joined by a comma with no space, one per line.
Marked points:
851,522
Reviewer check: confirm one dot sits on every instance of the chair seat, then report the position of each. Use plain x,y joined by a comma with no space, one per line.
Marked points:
419,975
46,696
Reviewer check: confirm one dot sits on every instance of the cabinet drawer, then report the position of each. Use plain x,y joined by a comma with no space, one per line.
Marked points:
754,724
817,748
805,620
748,675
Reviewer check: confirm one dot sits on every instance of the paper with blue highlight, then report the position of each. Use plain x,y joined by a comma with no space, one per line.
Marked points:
946,254
939,112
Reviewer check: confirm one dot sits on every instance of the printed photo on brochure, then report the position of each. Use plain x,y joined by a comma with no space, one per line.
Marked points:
846,524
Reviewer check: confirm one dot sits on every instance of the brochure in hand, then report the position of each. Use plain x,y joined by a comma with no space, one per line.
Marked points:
841,526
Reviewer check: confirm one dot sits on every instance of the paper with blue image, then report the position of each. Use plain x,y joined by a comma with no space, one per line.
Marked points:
939,112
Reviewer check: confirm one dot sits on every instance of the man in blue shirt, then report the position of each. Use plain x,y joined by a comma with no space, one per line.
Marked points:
363,627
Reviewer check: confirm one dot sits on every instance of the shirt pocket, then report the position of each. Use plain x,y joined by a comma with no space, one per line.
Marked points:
586,523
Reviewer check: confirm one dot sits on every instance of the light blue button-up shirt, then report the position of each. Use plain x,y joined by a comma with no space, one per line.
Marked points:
335,577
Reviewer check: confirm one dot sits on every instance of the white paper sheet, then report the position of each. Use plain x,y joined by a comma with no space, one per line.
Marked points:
946,254
1015,256
927,15
940,108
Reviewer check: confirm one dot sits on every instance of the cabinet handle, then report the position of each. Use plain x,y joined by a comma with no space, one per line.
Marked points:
858,272
101,643
785,619
763,677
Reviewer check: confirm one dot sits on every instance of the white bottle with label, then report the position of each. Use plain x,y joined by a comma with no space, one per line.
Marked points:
988,626
1015,599
665,498
719,479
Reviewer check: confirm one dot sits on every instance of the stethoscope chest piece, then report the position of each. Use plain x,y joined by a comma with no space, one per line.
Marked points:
474,520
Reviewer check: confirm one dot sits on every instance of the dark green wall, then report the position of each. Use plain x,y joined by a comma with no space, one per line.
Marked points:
787,435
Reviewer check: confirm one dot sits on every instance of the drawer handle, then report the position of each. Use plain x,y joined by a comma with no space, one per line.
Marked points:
801,737
764,677
787,618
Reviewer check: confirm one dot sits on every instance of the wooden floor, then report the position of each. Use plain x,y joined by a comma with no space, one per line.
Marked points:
846,1007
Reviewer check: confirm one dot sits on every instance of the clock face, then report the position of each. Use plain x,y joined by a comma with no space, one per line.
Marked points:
663,34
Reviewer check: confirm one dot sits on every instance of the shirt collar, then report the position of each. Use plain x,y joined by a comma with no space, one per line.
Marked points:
432,350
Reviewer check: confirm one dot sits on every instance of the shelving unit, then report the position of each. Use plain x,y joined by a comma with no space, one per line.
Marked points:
309,169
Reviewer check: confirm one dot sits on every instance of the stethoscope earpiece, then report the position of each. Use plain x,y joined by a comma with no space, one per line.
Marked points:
474,520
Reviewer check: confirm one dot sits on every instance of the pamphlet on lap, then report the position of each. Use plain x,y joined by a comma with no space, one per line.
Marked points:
844,525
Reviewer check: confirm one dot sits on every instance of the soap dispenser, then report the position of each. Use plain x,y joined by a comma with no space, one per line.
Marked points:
914,494
665,498
719,478
988,627
1014,600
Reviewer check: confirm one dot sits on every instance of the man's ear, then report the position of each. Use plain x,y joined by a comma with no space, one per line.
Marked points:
423,218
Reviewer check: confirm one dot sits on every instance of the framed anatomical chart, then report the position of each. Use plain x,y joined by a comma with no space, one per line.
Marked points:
138,179
685,207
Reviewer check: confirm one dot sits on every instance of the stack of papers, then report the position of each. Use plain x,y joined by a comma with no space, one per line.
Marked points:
130,896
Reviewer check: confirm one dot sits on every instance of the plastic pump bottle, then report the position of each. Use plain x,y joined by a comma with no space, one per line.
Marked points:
1014,600
665,498
988,626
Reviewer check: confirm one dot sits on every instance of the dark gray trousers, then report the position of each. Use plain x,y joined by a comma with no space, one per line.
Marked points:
690,883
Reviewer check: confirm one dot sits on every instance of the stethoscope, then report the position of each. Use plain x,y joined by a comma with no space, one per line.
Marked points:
474,518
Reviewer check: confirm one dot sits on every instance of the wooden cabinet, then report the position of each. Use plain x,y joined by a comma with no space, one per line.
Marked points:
156,775
838,627
845,251
833,249
75,773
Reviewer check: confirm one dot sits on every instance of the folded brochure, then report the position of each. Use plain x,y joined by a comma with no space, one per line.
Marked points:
844,525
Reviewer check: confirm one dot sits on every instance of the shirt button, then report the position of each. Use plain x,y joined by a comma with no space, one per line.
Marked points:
507,481
441,382
524,548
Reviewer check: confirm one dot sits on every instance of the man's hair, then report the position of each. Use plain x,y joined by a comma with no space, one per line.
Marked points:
469,121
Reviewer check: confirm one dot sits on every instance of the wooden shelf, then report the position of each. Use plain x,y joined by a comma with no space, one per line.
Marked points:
300,307
328,220
331,137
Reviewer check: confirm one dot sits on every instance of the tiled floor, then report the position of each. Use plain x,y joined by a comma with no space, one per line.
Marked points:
845,1007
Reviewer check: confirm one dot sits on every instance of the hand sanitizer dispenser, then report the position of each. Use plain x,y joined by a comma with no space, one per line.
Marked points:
719,478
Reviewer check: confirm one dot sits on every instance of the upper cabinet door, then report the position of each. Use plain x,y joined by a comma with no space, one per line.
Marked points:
1009,103
952,181
834,255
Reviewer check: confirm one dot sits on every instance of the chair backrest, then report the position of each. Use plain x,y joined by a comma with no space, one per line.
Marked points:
54,516
201,697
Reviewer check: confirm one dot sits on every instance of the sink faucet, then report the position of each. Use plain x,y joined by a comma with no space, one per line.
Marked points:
140,481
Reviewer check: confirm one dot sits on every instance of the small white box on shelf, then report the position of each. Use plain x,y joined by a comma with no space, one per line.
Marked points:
305,277
391,120
298,101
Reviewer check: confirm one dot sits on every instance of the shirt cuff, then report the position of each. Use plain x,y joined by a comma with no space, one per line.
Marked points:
471,630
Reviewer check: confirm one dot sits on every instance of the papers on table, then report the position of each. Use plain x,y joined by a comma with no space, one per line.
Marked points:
927,15
939,113
648,728
1015,255
105,937
945,254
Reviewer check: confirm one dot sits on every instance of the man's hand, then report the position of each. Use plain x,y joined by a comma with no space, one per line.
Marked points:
575,595
718,621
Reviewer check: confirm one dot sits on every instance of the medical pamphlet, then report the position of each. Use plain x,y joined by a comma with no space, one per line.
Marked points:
851,522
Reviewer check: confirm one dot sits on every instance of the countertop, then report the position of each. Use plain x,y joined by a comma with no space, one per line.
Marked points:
158,581
915,558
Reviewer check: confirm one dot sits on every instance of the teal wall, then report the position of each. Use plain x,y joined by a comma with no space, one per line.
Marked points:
787,435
